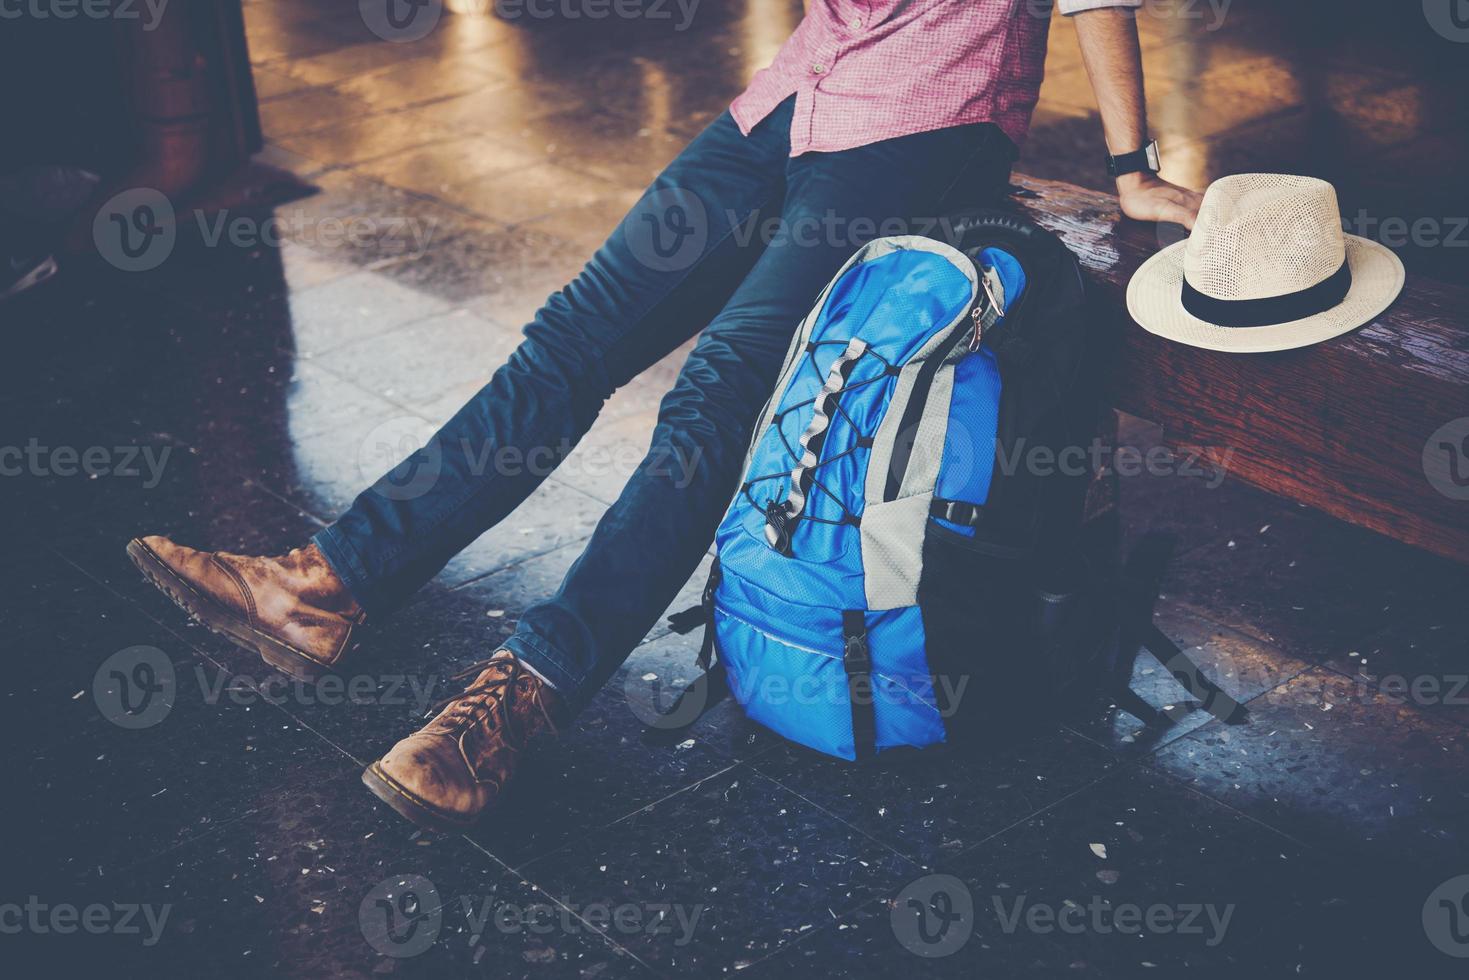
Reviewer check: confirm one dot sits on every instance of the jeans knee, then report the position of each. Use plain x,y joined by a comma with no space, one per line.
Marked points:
577,371
700,436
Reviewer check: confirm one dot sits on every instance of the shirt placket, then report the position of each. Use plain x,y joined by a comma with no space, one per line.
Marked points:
820,59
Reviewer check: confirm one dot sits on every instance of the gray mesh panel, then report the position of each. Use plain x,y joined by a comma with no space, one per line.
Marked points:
892,550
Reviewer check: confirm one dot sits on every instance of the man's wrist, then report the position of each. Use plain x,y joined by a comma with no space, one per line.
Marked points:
1135,161
1128,183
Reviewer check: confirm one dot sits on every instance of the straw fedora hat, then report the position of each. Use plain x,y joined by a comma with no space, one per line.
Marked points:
1266,268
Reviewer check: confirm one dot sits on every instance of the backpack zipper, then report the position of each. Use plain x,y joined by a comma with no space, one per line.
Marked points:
918,400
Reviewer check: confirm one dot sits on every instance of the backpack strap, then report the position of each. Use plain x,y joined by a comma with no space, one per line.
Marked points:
857,660
957,511
1137,590
692,703
712,684
687,620
1211,697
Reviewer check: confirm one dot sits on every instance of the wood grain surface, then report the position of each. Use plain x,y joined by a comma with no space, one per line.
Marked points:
1340,426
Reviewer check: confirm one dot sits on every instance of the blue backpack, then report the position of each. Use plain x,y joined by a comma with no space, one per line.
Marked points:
902,562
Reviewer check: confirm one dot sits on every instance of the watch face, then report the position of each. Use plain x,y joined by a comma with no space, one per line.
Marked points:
1152,152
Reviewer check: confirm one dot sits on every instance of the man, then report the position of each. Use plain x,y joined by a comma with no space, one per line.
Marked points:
872,111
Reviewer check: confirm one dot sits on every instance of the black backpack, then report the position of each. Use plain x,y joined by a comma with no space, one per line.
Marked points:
923,587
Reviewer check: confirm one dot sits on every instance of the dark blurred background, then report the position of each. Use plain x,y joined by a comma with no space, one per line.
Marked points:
1366,94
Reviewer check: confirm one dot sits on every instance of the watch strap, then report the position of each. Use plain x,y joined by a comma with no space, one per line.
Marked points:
1134,162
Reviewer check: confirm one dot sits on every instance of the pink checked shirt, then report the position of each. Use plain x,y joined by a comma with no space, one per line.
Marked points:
869,70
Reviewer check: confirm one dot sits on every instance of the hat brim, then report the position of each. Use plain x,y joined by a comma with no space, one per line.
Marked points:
1155,300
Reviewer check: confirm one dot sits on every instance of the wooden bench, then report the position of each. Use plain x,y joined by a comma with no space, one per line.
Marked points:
1340,426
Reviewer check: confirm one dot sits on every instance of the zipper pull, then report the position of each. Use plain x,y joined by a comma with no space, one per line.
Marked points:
988,303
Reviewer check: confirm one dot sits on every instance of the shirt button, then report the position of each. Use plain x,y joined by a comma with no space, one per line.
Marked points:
855,23
818,68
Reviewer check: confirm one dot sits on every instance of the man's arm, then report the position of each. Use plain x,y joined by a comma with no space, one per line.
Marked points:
1109,47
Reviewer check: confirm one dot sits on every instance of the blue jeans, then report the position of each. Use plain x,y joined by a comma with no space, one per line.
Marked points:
699,251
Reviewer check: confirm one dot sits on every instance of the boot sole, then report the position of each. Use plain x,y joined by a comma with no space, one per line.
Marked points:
218,619
413,808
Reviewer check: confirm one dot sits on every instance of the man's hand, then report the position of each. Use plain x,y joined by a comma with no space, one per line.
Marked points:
1113,58
1148,197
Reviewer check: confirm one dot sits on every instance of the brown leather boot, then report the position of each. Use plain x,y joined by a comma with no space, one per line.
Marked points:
450,772
291,609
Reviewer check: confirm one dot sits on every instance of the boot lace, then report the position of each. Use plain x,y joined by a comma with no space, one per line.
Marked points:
495,695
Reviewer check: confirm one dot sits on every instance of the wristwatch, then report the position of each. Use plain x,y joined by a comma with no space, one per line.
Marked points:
1137,160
